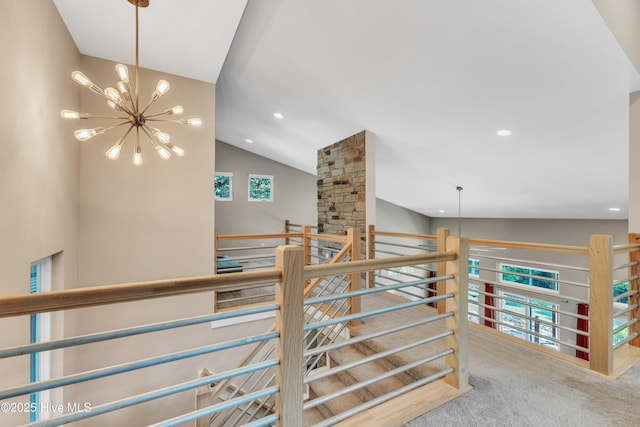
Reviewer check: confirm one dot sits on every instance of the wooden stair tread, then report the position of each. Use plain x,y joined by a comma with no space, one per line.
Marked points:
363,372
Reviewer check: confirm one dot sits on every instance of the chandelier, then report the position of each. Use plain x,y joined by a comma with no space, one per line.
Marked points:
131,115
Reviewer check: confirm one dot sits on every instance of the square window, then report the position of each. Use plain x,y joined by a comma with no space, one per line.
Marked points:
224,186
260,188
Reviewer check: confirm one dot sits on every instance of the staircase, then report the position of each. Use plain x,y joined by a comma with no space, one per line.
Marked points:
357,383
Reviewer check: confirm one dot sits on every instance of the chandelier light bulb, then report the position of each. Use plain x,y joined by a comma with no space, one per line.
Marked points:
124,90
195,121
123,72
163,152
81,79
73,115
85,134
162,88
163,137
176,150
114,152
174,110
113,95
113,105
137,156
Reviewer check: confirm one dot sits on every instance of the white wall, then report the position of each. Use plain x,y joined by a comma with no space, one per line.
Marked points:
39,164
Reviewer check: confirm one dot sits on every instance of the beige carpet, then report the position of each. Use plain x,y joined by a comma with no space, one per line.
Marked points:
517,387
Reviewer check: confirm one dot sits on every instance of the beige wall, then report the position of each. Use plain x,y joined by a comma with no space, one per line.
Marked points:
39,163
145,223
154,221
294,194
623,19
634,170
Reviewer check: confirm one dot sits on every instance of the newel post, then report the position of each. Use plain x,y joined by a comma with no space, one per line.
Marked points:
634,256
601,303
442,235
353,236
289,323
458,286
371,254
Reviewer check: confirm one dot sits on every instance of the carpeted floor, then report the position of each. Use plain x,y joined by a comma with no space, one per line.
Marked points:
516,387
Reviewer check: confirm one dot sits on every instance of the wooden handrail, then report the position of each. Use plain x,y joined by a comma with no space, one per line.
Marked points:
404,235
328,237
258,236
628,247
337,258
566,249
18,305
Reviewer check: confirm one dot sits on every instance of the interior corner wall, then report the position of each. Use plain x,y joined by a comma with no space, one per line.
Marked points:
39,164
294,196
391,217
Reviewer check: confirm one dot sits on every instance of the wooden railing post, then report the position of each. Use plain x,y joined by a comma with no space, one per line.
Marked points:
371,254
353,237
215,251
634,256
286,230
289,323
601,303
458,286
442,235
306,244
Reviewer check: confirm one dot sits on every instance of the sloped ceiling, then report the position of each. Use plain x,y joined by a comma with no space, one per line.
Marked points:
433,80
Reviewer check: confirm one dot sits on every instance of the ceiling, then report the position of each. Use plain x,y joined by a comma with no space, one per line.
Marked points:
432,80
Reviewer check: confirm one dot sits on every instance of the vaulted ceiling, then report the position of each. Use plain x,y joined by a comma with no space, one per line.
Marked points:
432,80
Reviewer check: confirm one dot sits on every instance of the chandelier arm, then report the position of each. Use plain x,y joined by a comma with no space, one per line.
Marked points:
123,107
150,116
151,101
150,134
109,117
131,102
128,131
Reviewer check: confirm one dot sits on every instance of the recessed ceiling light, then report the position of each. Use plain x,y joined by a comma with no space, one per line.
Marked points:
441,211
278,116
504,132
614,209
248,141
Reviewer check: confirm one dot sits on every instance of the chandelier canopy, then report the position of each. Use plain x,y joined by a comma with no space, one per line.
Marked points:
127,104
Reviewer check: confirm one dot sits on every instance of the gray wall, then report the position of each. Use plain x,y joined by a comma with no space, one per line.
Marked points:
557,231
294,194
390,217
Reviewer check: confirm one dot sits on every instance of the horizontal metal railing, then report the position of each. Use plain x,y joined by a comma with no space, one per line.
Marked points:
378,355
330,309
560,326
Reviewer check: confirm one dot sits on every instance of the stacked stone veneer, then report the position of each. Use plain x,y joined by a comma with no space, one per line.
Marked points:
342,187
